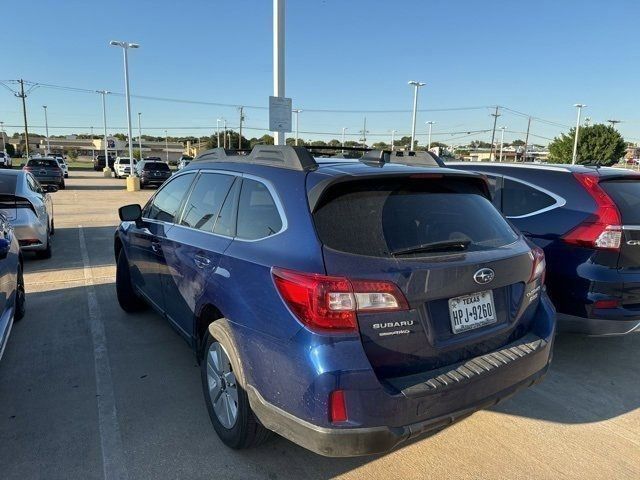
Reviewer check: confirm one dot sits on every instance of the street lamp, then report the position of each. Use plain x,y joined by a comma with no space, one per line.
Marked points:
166,144
502,141
104,123
46,128
217,132
579,106
344,129
416,85
93,152
393,139
297,112
430,123
224,138
140,134
125,48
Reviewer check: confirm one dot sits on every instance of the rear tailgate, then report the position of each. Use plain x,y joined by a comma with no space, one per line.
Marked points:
368,227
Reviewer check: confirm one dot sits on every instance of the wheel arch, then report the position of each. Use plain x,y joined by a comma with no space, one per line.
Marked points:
207,314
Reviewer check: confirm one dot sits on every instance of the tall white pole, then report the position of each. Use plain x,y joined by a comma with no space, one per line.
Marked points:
416,86
140,134
217,132
224,140
579,106
501,141
104,123
278,58
46,127
344,129
166,144
393,139
430,123
93,152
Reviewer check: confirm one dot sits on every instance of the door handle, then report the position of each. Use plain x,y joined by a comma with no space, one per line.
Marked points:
155,246
201,261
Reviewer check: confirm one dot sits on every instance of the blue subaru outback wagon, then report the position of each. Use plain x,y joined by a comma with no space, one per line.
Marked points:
346,305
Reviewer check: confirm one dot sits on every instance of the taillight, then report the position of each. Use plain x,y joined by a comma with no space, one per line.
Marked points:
603,229
539,265
608,303
327,303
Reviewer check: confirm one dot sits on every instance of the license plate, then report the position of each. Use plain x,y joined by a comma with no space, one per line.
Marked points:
472,311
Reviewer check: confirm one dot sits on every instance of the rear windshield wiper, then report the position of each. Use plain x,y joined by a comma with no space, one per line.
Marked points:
444,246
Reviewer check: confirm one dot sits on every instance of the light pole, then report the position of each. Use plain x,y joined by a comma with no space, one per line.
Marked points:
104,124
224,140
613,122
364,132
297,113
140,134
166,144
501,141
393,139
278,59
46,128
579,106
217,132
93,152
4,146
344,129
430,123
416,85
125,48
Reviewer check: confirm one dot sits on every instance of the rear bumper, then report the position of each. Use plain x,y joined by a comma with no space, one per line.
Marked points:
382,417
30,231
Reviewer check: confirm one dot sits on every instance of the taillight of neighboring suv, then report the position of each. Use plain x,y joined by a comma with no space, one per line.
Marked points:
603,229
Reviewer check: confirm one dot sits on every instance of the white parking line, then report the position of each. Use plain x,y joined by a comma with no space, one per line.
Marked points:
113,461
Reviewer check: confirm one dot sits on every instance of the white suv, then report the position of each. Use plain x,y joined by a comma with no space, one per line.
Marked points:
61,162
5,160
122,166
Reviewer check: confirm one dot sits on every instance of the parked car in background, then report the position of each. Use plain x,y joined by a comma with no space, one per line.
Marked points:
152,172
99,162
46,170
5,160
184,161
12,295
153,159
62,164
348,306
27,205
587,220
122,166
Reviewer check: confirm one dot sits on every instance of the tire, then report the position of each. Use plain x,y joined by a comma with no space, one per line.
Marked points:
53,228
44,254
20,307
62,185
243,431
129,301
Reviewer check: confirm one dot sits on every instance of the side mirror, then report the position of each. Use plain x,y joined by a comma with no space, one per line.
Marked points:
5,246
50,188
131,213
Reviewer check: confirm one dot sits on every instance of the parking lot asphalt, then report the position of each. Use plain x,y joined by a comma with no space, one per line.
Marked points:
89,392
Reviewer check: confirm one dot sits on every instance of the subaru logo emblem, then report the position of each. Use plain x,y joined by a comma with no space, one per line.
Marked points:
483,276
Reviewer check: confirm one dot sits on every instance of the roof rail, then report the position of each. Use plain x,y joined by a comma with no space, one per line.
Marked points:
412,158
282,156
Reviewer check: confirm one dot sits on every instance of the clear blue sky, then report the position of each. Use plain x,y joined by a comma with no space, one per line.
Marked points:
536,56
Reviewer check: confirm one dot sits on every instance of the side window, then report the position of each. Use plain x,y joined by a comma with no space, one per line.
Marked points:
167,201
226,224
519,199
33,184
258,216
204,203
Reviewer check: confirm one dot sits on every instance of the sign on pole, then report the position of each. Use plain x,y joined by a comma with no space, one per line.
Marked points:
279,114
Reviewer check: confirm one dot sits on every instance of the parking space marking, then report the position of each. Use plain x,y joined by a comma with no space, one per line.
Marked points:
113,461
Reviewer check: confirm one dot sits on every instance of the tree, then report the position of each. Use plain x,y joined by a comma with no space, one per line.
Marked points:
11,150
597,144
381,146
479,144
517,143
136,154
73,154
121,136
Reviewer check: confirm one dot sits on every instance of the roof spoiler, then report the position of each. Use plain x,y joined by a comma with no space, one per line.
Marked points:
411,158
282,156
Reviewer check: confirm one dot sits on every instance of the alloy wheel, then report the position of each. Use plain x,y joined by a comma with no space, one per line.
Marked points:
223,388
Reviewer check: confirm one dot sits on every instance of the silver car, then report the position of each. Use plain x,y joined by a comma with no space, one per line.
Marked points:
29,208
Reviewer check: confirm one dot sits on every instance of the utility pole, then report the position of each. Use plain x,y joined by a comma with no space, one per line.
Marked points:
393,139
579,106
46,128
344,129
526,141
240,129
501,141
297,113
224,140
140,134
364,133
166,144
613,122
24,114
493,133
93,152
430,123
4,146
217,134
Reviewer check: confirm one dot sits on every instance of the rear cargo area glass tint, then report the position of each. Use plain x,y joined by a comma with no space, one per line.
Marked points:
377,217
626,195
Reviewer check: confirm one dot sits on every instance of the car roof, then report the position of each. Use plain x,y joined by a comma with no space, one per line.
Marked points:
11,173
557,167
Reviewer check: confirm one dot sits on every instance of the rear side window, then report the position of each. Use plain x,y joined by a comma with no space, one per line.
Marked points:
258,216
167,201
204,203
42,163
520,199
156,166
378,218
626,195
8,184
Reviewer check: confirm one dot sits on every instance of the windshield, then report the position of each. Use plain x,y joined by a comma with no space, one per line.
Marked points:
410,218
42,163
